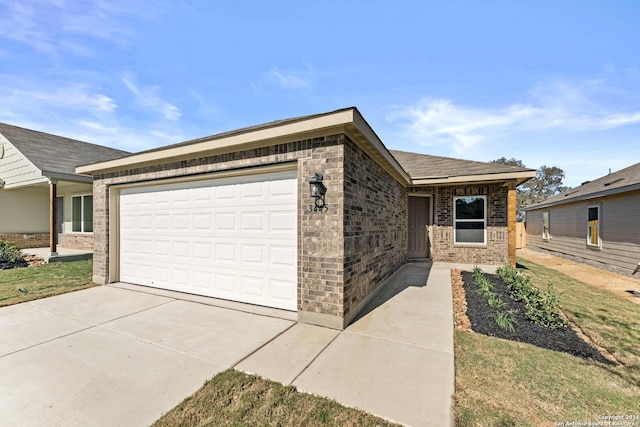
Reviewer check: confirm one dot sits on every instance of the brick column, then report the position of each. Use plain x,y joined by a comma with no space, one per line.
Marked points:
511,221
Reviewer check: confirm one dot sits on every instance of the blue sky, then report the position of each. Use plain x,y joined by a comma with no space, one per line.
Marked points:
546,82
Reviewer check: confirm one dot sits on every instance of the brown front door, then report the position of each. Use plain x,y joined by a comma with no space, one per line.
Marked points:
418,223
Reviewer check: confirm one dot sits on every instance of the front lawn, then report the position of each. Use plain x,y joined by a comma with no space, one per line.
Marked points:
45,280
233,398
504,382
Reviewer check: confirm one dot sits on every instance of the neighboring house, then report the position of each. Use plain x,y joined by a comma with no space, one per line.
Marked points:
597,223
41,195
233,215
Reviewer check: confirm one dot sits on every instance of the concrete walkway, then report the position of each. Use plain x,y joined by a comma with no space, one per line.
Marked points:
396,361
115,356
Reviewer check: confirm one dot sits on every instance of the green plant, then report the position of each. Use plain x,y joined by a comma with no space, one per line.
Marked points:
495,301
541,306
10,252
505,321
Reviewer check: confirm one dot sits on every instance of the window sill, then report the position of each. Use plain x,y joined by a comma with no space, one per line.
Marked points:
470,245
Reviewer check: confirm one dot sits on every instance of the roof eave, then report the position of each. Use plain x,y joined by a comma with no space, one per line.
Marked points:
589,196
520,178
348,121
58,176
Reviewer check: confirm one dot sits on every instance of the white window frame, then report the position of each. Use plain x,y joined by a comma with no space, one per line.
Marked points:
82,222
546,233
599,244
484,222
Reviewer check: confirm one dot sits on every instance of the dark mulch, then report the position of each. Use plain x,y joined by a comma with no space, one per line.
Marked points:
9,265
483,322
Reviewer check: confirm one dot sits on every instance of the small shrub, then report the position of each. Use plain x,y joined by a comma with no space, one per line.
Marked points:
10,252
541,306
495,301
505,321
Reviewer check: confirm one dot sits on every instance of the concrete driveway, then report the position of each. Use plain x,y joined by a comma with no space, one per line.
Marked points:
124,356
109,356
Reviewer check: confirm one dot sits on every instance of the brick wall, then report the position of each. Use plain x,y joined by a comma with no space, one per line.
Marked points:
76,241
27,240
320,235
444,250
375,226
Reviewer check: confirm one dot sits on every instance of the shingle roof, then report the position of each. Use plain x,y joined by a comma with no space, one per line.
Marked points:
627,179
427,166
56,153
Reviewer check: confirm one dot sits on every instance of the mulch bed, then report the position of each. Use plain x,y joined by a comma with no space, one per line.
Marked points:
483,321
9,265
27,261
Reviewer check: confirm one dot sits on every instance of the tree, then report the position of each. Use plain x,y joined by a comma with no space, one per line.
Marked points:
547,183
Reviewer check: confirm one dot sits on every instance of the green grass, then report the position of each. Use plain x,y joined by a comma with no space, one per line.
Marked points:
44,281
501,382
233,398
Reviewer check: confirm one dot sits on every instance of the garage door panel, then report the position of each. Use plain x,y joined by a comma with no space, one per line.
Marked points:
232,238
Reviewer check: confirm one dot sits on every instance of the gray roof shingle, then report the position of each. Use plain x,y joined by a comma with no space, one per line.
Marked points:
627,179
427,166
56,153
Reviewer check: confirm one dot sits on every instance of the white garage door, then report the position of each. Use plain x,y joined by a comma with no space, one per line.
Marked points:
231,238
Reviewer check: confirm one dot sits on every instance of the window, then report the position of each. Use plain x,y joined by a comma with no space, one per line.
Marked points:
546,235
593,226
469,220
82,214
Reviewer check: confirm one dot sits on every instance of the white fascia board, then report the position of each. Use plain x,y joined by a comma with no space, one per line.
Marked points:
223,144
493,177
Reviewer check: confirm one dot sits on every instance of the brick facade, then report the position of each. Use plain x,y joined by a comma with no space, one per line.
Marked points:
444,250
375,227
347,251
76,241
27,240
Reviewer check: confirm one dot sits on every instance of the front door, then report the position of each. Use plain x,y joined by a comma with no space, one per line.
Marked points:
59,217
418,226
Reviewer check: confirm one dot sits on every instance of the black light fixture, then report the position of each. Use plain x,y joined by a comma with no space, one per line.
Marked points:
318,190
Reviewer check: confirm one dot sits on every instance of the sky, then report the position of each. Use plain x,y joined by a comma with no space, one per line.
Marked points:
553,83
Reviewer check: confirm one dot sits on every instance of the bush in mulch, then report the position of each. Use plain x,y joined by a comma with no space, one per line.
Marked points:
10,256
483,321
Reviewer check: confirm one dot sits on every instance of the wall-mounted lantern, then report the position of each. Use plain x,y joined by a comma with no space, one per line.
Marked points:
318,190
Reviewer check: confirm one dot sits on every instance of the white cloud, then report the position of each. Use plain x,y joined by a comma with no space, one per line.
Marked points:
65,97
83,112
54,28
290,79
148,98
555,105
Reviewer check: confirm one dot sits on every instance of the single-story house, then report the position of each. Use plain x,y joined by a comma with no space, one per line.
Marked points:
43,201
309,214
596,223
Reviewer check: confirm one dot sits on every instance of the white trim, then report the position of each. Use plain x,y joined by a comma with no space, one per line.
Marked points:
492,177
82,222
484,221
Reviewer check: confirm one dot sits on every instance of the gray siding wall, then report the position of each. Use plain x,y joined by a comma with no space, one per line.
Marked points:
619,232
